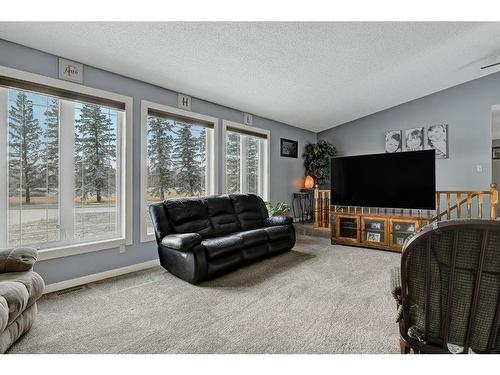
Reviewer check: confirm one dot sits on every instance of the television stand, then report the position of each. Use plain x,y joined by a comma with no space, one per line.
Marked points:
378,229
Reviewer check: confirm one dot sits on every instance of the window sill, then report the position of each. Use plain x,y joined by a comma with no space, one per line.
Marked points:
147,237
88,247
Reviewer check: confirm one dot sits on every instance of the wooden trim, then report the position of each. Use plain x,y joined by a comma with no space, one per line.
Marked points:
246,132
180,118
59,92
54,287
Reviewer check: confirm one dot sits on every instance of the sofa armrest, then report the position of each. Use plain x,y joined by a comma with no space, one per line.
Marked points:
20,259
181,241
277,220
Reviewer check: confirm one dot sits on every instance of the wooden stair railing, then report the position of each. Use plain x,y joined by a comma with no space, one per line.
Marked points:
321,209
458,204
454,204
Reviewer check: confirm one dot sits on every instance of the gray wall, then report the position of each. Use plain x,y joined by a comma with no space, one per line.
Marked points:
495,163
466,109
286,173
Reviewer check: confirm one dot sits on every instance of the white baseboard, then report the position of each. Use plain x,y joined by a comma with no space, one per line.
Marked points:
99,276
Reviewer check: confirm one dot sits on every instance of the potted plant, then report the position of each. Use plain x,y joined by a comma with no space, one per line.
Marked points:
317,160
281,209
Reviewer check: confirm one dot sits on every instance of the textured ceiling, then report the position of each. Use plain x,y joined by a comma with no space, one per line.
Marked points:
311,75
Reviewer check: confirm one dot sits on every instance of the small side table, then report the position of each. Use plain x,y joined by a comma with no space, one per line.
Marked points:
302,206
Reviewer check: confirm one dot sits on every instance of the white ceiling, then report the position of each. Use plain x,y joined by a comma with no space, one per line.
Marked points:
311,75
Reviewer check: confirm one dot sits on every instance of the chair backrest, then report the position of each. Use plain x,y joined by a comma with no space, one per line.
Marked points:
209,216
450,279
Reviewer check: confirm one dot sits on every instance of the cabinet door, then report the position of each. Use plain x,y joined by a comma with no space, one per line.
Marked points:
400,230
348,228
374,230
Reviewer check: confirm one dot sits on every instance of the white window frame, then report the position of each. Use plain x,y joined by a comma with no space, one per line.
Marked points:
265,164
126,147
212,147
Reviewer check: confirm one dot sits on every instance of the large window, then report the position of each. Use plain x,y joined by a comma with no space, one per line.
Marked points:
64,169
247,161
178,157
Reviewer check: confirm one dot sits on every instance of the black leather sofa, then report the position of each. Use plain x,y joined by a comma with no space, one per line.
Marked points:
202,238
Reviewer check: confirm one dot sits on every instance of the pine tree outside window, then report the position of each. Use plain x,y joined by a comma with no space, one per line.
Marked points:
63,169
178,157
246,159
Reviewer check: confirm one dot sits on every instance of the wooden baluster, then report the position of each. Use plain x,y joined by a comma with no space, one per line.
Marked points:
469,205
326,205
438,205
448,206
316,207
480,205
323,209
493,200
459,206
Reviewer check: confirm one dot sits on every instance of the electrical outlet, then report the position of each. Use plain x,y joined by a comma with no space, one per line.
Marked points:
122,249
479,168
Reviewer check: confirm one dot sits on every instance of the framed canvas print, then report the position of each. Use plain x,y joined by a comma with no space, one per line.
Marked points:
414,139
288,148
437,139
393,141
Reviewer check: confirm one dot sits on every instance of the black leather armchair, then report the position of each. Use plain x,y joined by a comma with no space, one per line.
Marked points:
202,238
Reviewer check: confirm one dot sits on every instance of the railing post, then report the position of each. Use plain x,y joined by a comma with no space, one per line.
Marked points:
493,200
438,205
316,207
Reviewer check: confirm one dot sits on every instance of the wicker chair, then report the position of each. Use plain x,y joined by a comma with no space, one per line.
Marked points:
448,288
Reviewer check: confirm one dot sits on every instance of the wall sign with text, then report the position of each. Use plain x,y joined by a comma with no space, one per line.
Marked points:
184,102
70,70
247,119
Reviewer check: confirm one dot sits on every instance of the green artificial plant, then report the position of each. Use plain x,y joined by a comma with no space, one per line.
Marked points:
281,209
317,160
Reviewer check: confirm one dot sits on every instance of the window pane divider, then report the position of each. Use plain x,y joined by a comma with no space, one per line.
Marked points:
67,169
4,181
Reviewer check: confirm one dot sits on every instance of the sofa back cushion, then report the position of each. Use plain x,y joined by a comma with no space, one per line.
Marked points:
189,215
222,216
249,209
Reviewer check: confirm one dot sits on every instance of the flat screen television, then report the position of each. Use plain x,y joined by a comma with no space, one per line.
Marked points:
397,180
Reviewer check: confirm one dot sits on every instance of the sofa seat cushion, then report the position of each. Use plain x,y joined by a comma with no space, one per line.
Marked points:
278,232
253,237
221,246
18,291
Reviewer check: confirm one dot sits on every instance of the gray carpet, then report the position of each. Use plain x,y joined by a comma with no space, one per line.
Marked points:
316,298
